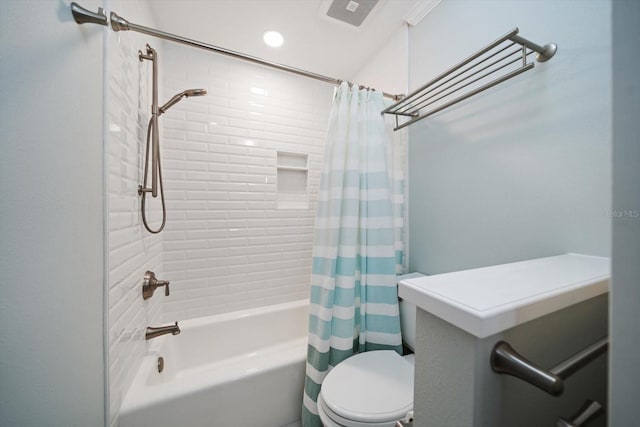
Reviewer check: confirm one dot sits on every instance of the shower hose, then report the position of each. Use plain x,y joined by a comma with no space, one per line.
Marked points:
142,188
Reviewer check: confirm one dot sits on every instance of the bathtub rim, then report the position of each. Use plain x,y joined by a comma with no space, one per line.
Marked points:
154,345
134,399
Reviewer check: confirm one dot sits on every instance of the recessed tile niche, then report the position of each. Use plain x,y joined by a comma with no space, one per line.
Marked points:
292,178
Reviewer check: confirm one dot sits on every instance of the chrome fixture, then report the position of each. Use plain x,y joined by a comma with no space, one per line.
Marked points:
151,284
505,360
118,23
152,56
496,57
83,16
161,330
177,98
153,139
407,421
590,410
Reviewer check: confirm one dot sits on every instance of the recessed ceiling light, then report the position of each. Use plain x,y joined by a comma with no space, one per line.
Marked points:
273,38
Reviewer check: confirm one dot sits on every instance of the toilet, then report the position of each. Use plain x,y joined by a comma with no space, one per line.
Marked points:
374,388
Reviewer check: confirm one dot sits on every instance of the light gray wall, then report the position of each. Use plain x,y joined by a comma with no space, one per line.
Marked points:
455,385
625,291
522,170
51,216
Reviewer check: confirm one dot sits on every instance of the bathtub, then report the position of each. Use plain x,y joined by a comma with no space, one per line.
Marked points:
244,368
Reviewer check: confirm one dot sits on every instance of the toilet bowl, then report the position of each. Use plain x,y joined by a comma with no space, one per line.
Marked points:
374,388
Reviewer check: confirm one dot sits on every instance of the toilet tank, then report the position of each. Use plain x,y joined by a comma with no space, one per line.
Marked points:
408,316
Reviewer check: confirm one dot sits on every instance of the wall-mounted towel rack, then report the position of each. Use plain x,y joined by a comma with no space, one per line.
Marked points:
472,76
505,360
590,410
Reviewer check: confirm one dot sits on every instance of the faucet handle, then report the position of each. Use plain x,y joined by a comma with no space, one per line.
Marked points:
150,285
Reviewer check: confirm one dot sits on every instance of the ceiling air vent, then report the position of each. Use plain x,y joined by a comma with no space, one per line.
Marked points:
351,11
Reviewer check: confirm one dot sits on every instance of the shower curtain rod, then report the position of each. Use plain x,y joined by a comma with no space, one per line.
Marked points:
118,23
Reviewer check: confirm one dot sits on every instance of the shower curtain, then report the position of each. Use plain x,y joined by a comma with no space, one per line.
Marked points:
356,252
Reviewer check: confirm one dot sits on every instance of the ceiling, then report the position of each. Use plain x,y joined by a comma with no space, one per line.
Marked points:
313,41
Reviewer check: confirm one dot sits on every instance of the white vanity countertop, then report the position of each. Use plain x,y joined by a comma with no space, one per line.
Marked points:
489,300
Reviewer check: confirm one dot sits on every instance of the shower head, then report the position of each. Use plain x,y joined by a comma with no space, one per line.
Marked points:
195,92
184,94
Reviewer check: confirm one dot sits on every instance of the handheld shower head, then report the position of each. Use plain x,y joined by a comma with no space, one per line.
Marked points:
177,98
195,92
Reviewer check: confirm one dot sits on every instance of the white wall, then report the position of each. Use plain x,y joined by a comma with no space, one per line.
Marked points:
51,217
228,243
131,249
521,170
625,287
388,69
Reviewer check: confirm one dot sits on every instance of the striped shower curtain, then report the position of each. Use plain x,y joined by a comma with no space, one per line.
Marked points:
356,254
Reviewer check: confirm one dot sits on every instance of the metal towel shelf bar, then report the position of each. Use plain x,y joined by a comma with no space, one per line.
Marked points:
505,360
590,410
472,74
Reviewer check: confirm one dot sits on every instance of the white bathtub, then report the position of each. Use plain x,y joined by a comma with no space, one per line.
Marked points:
243,369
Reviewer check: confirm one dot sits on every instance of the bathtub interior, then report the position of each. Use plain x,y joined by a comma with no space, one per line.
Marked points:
212,339
241,352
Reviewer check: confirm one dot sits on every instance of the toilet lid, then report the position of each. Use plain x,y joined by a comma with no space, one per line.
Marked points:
375,386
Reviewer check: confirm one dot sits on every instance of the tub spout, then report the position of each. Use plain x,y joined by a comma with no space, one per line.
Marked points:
162,330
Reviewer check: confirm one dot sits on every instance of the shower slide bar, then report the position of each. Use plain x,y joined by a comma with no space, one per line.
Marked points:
118,23
471,74
505,360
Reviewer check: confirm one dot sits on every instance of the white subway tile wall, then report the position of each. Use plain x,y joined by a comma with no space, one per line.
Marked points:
227,244
131,249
